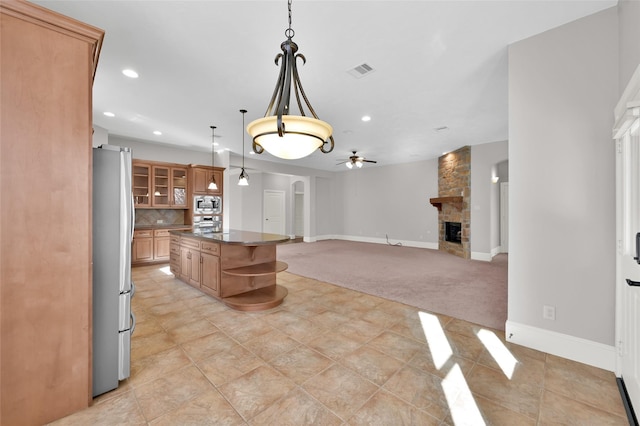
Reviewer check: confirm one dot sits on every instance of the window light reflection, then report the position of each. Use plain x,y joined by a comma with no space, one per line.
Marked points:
462,406
166,270
499,352
438,344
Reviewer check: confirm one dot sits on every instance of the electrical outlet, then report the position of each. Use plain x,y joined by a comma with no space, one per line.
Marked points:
159,221
549,312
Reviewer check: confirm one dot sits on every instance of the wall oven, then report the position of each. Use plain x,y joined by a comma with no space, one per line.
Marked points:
207,204
207,223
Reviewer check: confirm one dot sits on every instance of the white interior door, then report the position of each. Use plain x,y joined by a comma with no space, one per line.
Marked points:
273,212
627,266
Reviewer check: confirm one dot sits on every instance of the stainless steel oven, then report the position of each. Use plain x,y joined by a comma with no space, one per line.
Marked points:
205,223
207,204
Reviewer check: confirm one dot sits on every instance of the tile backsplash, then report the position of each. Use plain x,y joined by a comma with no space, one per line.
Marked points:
152,216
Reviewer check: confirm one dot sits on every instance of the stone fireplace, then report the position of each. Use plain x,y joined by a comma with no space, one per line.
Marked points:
452,202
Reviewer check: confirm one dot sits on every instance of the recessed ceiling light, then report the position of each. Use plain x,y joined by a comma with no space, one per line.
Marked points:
130,73
157,132
251,152
109,114
216,144
366,118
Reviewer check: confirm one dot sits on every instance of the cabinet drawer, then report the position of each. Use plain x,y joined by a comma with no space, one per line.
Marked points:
191,243
161,233
211,248
175,239
174,259
143,233
174,248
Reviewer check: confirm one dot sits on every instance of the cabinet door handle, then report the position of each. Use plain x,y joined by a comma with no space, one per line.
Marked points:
633,283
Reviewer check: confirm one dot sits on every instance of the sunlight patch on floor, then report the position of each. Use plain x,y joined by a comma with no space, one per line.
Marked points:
438,343
499,352
166,270
462,406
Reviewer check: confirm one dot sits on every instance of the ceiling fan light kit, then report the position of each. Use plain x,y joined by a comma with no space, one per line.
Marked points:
283,135
355,160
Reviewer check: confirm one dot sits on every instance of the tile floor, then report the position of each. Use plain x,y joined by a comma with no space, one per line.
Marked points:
331,356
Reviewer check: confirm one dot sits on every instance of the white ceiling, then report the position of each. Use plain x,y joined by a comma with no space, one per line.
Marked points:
437,63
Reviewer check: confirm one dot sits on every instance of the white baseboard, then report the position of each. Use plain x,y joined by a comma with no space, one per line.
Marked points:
562,345
405,243
485,257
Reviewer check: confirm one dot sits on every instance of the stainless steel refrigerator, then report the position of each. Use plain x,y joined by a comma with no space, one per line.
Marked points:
113,219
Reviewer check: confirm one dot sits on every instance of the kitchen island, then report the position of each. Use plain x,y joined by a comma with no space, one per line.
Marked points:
237,267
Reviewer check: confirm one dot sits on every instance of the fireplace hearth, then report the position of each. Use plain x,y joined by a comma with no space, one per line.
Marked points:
453,232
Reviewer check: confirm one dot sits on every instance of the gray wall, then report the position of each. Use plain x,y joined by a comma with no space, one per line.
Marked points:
390,200
629,35
563,86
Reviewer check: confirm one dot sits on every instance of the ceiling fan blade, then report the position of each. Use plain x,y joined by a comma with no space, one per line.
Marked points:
369,161
342,162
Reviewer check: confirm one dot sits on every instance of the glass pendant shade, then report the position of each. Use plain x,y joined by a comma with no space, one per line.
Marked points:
244,179
302,135
349,165
212,185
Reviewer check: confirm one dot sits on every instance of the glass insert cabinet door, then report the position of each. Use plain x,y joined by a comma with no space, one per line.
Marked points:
161,184
141,185
179,187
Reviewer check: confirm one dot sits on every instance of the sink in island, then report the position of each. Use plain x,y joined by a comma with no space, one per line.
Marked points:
237,267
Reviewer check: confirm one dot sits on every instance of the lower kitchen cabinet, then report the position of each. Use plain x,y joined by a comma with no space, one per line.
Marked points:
161,245
190,261
142,250
152,246
210,274
197,263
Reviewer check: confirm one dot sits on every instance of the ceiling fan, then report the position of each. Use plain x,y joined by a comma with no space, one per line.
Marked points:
355,160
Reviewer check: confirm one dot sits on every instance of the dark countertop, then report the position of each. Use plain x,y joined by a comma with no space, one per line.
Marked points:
237,237
162,226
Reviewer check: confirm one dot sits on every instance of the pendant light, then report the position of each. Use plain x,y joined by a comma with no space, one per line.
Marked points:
244,177
281,134
212,185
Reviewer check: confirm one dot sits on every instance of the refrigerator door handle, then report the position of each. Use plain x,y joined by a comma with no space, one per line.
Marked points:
133,323
124,354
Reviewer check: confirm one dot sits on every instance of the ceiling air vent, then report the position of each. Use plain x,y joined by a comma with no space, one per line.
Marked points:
361,70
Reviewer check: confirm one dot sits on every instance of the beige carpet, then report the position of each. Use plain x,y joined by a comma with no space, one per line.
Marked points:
435,281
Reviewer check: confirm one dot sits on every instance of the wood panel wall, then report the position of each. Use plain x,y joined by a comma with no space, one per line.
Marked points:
47,68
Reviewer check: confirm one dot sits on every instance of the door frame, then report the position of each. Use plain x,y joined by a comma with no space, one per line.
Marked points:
626,113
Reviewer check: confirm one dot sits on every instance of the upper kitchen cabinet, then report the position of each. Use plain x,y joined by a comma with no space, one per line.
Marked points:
47,69
141,184
159,185
201,177
179,187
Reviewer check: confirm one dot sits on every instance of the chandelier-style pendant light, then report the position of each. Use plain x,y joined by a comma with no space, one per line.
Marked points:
244,177
212,185
281,134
